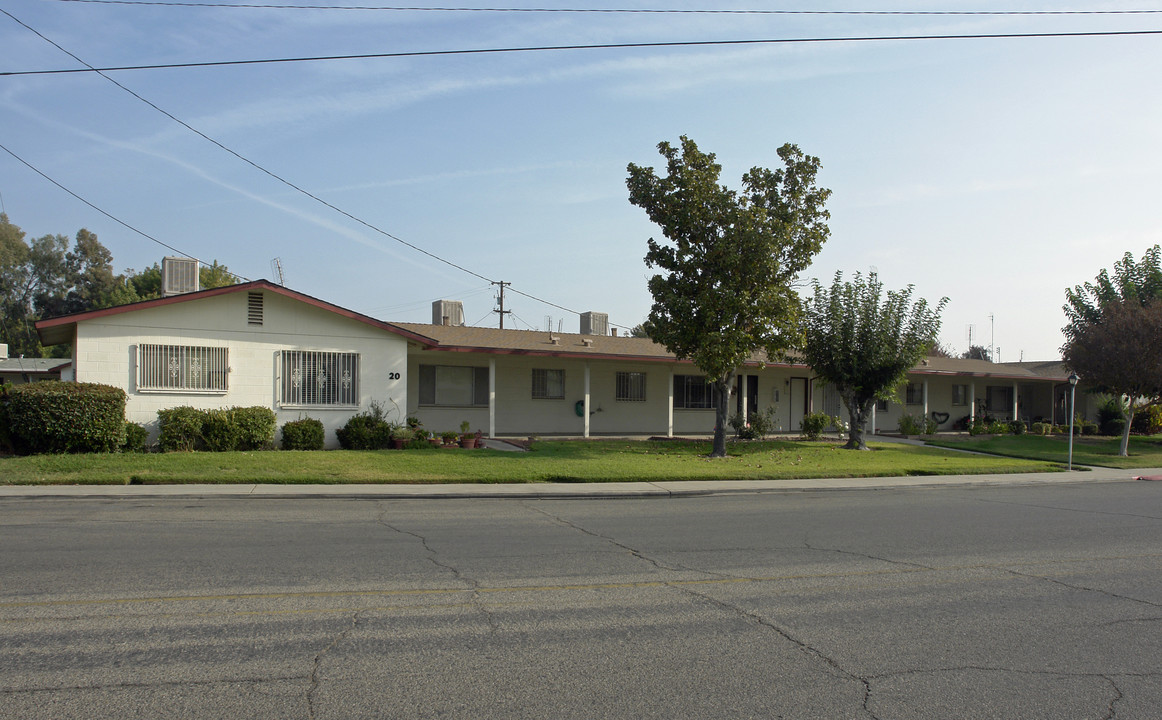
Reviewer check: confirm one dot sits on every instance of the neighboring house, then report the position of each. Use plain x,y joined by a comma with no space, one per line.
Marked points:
258,343
16,371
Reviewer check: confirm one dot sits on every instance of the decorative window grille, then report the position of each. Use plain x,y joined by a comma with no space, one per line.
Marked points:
881,406
914,395
454,385
548,384
631,387
254,308
693,392
182,368
308,377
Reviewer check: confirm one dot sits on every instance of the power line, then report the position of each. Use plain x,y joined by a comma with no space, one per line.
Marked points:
253,164
112,217
627,11
601,46
248,161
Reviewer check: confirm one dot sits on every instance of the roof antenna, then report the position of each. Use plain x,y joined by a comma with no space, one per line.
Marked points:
276,268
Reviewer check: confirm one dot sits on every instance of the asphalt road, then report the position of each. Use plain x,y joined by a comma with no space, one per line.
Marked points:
985,602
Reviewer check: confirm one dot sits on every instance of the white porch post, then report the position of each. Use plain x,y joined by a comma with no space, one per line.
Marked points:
586,399
491,397
972,402
873,418
670,406
925,386
1015,408
742,394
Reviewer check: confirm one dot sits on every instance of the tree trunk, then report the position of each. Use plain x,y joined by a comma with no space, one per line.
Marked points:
722,384
1124,448
858,409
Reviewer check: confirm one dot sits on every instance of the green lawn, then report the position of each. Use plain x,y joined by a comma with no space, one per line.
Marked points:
549,461
1098,451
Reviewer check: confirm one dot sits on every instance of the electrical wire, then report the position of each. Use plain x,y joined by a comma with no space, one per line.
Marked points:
109,215
253,164
637,11
599,46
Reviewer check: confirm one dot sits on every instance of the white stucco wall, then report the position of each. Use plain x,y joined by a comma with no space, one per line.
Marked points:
106,351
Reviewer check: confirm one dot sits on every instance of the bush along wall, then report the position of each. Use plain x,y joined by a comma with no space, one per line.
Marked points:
305,434
66,417
187,428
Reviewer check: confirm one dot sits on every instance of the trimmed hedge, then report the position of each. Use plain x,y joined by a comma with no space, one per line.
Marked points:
187,428
135,438
305,434
65,417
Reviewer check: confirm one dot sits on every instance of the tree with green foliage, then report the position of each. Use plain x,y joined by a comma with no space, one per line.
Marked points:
49,277
977,352
729,261
864,342
1120,355
1139,282
1113,334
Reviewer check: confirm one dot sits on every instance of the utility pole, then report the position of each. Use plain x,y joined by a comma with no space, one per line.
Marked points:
500,302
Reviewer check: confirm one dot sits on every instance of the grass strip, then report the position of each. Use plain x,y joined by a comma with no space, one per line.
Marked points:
549,461
1096,451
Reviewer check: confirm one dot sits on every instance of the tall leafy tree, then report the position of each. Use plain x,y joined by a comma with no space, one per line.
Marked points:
729,260
864,342
1115,332
1139,282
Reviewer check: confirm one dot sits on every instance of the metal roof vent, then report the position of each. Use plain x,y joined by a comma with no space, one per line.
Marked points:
594,323
179,275
448,312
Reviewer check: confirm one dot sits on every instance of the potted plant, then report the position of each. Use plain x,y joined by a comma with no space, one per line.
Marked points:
401,436
450,438
467,439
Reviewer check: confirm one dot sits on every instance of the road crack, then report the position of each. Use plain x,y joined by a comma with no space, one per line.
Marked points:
318,661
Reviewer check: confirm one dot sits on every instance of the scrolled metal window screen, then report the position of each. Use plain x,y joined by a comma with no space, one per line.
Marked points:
631,387
308,377
182,368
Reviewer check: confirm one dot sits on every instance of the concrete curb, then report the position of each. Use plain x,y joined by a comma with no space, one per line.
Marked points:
626,490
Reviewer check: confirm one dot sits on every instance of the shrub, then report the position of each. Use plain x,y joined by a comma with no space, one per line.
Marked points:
743,429
305,434
135,438
66,417
256,426
366,431
1148,420
6,443
219,431
1110,411
180,429
998,427
1041,428
1018,427
917,425
813,425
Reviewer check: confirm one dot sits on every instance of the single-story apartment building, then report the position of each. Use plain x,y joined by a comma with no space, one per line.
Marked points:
20,370
259,343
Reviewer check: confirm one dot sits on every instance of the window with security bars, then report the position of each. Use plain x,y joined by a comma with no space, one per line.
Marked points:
309,377
959,394
693,392
182,368
548,384
631,387
914,394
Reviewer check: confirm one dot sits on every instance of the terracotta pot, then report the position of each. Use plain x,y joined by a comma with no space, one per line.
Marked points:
468,443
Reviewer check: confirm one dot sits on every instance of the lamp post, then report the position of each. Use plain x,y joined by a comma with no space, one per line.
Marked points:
1072,399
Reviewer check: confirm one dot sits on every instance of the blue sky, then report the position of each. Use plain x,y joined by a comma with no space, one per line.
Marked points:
996,172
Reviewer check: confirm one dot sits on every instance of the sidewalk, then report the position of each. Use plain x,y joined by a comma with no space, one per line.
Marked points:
574,490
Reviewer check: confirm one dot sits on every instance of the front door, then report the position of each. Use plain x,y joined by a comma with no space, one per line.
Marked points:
797,399
752,396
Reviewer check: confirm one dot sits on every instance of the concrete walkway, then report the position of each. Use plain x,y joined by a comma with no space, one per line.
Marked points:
576,490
